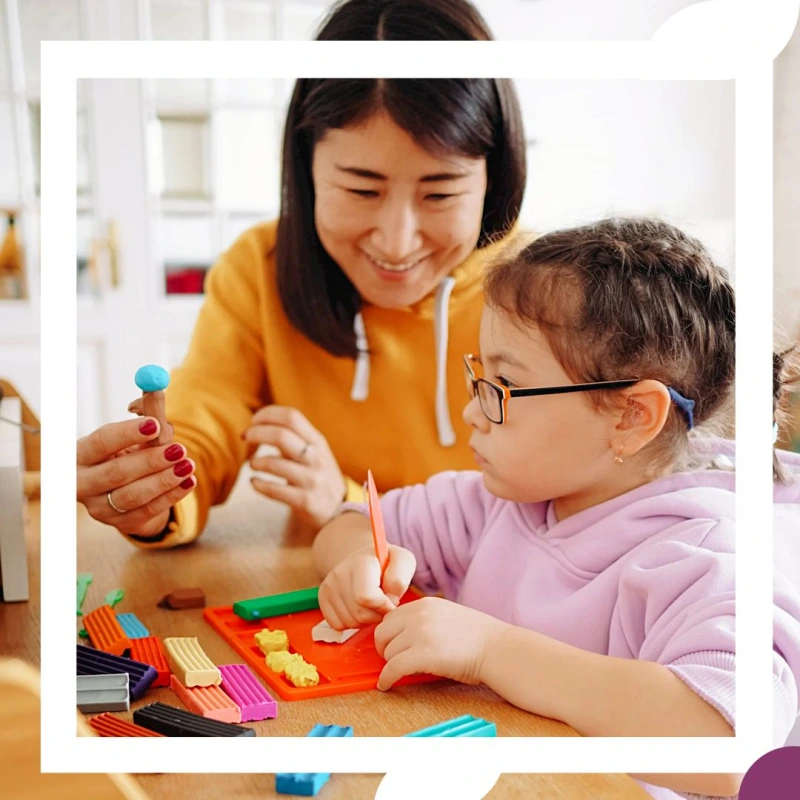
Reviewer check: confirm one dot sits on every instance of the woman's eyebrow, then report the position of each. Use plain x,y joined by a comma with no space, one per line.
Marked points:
377,176
361,173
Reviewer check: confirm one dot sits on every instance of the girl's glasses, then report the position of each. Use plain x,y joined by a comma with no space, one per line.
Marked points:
494,397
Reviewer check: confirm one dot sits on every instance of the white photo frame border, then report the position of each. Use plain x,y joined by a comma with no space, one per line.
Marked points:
63,63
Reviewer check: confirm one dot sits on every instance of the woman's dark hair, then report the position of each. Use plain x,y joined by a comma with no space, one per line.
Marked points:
629,298
785,375
472,117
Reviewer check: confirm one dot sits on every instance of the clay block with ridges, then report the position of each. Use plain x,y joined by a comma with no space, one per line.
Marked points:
308,784
190,663
331,730
98,693
305,784
460,726
207,701
96,662
255,702
109,725
105,631
150,651
132,626
173,721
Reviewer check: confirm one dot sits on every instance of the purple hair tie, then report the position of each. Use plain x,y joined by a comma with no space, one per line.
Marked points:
684,404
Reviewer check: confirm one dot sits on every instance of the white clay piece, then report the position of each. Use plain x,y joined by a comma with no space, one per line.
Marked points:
323,632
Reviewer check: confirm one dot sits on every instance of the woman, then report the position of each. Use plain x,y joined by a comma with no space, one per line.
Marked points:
326,334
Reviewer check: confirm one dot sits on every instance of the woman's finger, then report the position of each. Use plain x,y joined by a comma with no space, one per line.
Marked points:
142,492
291,495
124,470
144,521
290,444
290,418
104,442
297,474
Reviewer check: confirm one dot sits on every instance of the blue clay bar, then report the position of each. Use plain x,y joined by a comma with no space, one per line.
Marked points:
152,378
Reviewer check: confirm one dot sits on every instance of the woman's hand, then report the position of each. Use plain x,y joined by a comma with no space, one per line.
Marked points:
437,637
352,595
117,467
315,485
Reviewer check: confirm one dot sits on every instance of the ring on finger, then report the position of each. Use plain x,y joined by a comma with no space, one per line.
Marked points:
113,505
301,456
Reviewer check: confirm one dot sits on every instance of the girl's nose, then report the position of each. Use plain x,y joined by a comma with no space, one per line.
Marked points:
474,417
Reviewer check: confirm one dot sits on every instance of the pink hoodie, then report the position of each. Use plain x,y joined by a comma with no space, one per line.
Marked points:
646,575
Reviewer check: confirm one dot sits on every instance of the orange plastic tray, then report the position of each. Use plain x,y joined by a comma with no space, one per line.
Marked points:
350,667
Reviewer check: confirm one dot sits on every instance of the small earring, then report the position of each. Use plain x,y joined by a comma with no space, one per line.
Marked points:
618,456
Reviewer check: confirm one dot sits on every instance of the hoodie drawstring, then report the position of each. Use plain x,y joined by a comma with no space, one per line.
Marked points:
441,327
360,389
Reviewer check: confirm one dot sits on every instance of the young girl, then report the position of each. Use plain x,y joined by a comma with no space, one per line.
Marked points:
587,570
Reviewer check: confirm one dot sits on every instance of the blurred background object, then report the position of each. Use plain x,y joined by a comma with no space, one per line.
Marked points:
787,213
20,716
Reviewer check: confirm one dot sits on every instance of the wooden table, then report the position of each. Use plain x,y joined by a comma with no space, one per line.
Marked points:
249,549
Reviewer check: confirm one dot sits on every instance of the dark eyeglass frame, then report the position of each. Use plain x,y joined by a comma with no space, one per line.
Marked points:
505,393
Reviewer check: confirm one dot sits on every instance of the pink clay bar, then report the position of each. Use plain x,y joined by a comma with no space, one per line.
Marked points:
239,683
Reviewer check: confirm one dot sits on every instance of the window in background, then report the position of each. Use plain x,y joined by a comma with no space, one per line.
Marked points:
42,20
214,147
181,158
9,163
5,66
178,20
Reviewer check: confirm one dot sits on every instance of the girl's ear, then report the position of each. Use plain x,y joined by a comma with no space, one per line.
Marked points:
648,404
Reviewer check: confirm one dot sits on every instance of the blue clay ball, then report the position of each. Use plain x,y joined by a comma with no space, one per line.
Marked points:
152,378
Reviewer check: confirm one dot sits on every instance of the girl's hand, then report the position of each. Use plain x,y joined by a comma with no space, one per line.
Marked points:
315,485
352,596
437,637
143,482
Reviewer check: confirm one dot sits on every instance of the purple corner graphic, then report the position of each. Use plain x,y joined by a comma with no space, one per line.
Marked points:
775,775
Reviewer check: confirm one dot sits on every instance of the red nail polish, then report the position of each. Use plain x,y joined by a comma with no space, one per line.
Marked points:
188,483
174,452
148,427
183,469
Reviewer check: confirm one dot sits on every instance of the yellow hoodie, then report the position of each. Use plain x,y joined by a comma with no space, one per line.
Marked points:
396,410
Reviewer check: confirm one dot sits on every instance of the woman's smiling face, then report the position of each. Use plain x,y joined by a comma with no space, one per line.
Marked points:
394,217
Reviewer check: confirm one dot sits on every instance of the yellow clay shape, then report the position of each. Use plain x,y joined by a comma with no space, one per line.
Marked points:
272,641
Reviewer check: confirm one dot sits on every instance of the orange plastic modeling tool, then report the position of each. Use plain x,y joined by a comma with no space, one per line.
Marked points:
350,667
378,530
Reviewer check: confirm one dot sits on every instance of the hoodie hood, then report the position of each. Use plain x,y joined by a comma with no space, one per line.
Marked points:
693,502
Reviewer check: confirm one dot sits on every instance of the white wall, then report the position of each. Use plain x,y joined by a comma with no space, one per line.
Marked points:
577,19
632,147
787,189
